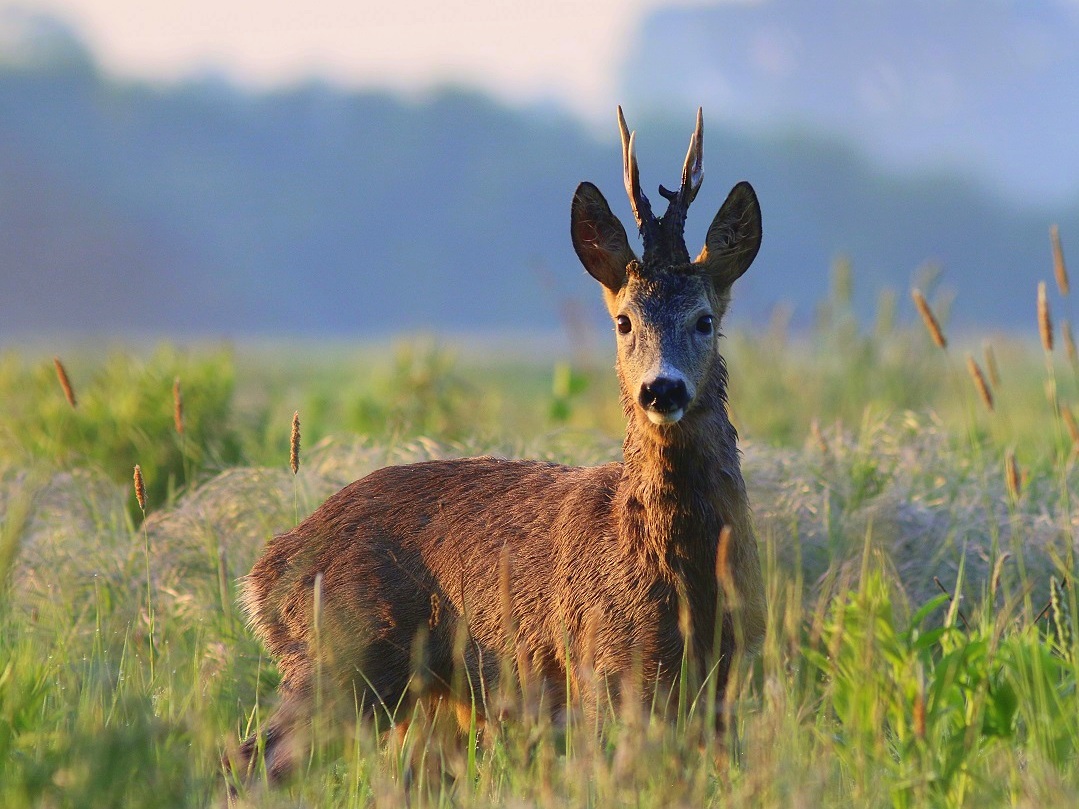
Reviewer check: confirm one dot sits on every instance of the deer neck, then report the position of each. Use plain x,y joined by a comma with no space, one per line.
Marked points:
681,484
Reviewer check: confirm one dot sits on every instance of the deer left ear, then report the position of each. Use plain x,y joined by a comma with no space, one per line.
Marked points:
734,237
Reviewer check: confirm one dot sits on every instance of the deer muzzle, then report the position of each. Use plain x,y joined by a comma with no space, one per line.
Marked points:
664,398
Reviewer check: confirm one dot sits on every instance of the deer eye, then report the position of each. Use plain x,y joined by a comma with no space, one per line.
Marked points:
704,324
623,325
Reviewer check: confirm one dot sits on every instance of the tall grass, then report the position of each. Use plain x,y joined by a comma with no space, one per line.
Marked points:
918,552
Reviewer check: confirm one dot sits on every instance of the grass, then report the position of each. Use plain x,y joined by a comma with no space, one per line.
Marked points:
920,651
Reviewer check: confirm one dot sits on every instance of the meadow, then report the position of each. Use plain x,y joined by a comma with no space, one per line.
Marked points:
914,508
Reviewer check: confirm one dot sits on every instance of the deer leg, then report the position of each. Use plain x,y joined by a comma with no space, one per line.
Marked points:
282,740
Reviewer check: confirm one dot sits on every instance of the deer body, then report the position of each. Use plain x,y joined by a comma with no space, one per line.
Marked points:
595,577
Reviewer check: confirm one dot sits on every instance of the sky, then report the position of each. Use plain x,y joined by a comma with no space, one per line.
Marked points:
566,51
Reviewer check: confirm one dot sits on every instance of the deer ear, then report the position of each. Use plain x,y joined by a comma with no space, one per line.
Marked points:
734,237
599,238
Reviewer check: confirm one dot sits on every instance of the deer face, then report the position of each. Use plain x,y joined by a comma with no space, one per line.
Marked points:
666,326
666,308
666,318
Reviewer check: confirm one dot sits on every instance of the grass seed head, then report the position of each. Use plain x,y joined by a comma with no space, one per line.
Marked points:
1045,322
65,382
294,444
1059,268
919,709
980,382
140,488
1012,478
932,325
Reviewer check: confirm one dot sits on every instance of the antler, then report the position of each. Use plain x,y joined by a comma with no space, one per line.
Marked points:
647,223
692,171
665,234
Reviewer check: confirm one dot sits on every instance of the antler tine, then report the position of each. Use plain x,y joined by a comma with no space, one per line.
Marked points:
629,165
627,136
642,209
693,170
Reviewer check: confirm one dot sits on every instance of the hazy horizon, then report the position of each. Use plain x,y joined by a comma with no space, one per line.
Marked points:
195,202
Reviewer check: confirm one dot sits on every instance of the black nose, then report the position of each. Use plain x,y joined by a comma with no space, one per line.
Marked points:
664,395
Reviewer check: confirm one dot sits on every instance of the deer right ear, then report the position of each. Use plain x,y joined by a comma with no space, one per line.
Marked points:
599,238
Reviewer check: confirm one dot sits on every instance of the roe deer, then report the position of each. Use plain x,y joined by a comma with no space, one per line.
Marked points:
598,579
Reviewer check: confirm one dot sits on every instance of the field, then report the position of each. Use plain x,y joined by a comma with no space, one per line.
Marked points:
917,537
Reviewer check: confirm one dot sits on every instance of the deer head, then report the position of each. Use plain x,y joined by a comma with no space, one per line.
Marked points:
666,307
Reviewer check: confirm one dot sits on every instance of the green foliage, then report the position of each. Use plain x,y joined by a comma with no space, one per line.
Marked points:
922,700
425,394
566,387
856,699
124,416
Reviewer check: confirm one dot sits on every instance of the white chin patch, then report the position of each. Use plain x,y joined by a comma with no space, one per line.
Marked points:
664,418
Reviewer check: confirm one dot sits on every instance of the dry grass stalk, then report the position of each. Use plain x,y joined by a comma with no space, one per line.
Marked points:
316,604
436,611
991,365
1073,428
952,601
1045,322
1059,610
818,436
294,444
980,382
1012,478
1059,268
724,574
140,489
998,569
178,406
1069,341
930,320
65,383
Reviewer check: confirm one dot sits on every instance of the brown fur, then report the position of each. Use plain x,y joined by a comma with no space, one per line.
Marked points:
432,575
